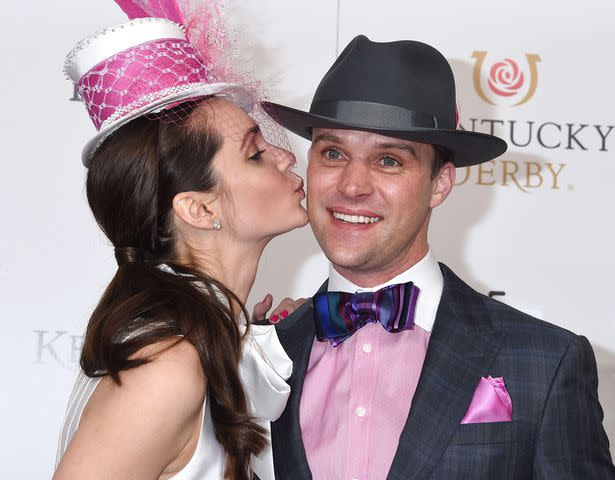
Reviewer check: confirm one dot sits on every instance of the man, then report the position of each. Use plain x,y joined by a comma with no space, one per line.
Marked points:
401,370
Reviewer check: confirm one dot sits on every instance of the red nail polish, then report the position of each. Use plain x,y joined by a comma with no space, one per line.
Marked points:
274,319
284,313
264,299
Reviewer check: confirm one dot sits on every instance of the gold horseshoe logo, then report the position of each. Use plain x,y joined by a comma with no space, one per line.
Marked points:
532,60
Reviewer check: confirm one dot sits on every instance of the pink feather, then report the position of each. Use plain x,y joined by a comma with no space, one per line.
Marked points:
168,9
206,31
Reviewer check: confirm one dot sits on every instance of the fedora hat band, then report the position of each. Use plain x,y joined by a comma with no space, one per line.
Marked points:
374,115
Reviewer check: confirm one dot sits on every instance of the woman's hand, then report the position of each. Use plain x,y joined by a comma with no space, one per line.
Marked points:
283,310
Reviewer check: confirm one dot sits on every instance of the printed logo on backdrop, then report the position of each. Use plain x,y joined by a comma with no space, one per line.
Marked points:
508,83
57,347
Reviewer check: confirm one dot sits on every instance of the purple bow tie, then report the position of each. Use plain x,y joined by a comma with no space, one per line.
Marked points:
339,314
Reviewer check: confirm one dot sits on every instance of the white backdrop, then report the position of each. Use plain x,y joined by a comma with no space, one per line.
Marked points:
535,224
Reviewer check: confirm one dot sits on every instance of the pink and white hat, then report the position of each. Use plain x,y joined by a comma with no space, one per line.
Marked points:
141,67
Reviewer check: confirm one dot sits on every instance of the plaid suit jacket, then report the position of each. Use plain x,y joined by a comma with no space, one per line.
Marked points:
550,373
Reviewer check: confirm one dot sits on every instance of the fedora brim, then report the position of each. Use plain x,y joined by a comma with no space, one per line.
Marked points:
234,92
469,148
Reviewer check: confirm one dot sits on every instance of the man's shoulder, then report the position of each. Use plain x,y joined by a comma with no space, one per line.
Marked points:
509,319
518,323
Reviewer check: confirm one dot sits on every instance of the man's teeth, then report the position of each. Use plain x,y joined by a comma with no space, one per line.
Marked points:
355,218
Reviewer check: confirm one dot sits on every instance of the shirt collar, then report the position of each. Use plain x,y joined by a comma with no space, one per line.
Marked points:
425,274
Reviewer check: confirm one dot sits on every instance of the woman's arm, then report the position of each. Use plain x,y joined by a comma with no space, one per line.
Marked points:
146,428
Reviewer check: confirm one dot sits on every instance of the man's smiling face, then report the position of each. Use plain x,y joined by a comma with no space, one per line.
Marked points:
369,200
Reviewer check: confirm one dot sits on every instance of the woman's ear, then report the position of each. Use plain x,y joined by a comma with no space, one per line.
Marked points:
194,209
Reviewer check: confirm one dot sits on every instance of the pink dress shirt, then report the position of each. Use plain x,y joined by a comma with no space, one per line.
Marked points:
356,396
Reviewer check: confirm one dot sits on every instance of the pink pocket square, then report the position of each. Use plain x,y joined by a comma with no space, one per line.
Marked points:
490,403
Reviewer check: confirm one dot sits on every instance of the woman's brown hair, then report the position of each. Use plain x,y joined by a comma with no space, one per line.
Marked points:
132,180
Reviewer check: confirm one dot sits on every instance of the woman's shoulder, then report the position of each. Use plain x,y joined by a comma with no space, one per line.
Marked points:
148,419
174,362
171,383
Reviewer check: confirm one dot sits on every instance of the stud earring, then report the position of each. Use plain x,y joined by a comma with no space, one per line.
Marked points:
216,225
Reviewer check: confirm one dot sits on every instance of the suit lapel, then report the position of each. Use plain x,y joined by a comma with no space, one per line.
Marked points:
296,335
462,348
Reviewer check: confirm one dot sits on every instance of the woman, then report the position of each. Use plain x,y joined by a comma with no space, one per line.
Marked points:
189,193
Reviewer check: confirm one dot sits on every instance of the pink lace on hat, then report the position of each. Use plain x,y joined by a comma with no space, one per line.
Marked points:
166,66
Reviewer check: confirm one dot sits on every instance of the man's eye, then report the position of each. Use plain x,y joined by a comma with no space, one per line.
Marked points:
389,162
332,154
257,155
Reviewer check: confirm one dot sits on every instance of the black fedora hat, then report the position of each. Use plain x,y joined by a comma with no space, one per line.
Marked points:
402,89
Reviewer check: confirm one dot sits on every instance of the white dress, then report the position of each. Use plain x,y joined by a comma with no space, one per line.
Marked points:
264,367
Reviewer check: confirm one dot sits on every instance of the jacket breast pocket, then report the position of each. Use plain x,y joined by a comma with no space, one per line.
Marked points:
489,433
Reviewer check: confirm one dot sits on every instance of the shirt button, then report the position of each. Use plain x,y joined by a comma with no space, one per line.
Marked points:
367,347
360,412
